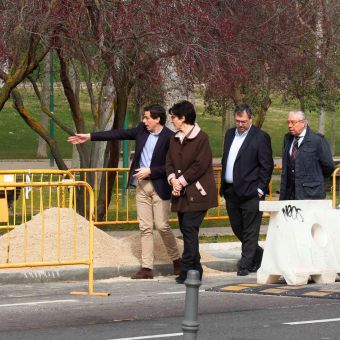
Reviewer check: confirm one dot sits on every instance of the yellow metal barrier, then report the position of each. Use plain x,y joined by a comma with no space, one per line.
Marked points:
26,176
28,231
335,174
4,197
121,209
120,198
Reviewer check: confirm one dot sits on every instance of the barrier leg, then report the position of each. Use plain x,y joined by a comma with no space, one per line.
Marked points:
298,279
267,278
324,278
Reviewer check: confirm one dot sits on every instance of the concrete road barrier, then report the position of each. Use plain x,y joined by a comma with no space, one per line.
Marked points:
303,241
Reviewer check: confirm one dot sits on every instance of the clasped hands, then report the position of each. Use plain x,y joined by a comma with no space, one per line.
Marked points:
176,187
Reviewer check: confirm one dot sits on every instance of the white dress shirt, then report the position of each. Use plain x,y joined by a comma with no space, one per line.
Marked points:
234,149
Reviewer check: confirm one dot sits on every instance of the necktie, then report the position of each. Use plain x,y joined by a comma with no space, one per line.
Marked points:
295,147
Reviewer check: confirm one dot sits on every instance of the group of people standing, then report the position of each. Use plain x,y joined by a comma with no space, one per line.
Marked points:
177,167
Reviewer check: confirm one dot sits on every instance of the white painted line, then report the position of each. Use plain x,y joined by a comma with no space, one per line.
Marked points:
36,303
311,321
173,293
159,336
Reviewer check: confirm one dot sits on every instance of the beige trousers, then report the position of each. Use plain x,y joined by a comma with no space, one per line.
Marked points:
151,209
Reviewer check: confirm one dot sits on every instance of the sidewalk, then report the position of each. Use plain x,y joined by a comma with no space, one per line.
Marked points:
203,232
227,255
16,164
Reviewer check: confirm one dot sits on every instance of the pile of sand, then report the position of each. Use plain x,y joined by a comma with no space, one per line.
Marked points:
108,251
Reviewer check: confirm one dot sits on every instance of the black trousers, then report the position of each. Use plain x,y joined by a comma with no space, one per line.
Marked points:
245,219
189,224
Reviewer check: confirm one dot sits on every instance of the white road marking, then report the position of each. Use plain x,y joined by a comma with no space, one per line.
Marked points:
311,321
182,292
159,336
37,303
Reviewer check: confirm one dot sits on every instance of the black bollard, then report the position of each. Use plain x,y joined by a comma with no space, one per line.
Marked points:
190,324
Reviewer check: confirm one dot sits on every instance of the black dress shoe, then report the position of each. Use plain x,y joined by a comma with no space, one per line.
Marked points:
255,267
180,280
257,260
243,272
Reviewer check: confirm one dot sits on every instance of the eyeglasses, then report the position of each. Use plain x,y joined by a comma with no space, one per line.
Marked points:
294,122
241,122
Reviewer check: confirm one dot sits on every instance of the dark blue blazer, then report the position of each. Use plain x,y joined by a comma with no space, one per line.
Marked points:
254,163
313,164
140,134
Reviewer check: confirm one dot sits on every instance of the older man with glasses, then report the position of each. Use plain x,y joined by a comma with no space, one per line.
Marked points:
306,161
247,166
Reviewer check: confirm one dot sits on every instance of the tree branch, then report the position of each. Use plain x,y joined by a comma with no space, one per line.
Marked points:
37,127
70,95
45,109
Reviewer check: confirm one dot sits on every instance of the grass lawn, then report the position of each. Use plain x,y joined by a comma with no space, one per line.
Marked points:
275,124
18,141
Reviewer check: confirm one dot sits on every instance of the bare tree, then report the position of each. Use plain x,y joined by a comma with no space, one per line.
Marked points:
42,146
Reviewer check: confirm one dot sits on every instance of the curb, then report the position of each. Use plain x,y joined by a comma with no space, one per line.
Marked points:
100,273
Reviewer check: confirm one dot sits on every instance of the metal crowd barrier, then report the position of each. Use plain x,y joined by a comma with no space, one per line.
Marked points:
122,208
9,207
118,210
336,174
47,239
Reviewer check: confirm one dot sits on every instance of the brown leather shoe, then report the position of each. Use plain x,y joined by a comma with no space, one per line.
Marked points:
143,273
177,266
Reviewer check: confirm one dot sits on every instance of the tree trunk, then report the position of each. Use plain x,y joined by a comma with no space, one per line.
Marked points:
99,150
75,85
75,163
322,120
225,124
230,119
113,151
106,118
333,129
236,96
174,88
105,122
321,86
302,103
261,115
42,146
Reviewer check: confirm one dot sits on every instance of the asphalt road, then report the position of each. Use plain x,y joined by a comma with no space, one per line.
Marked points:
153,309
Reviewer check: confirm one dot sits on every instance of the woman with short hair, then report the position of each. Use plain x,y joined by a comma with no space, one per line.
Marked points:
190,173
